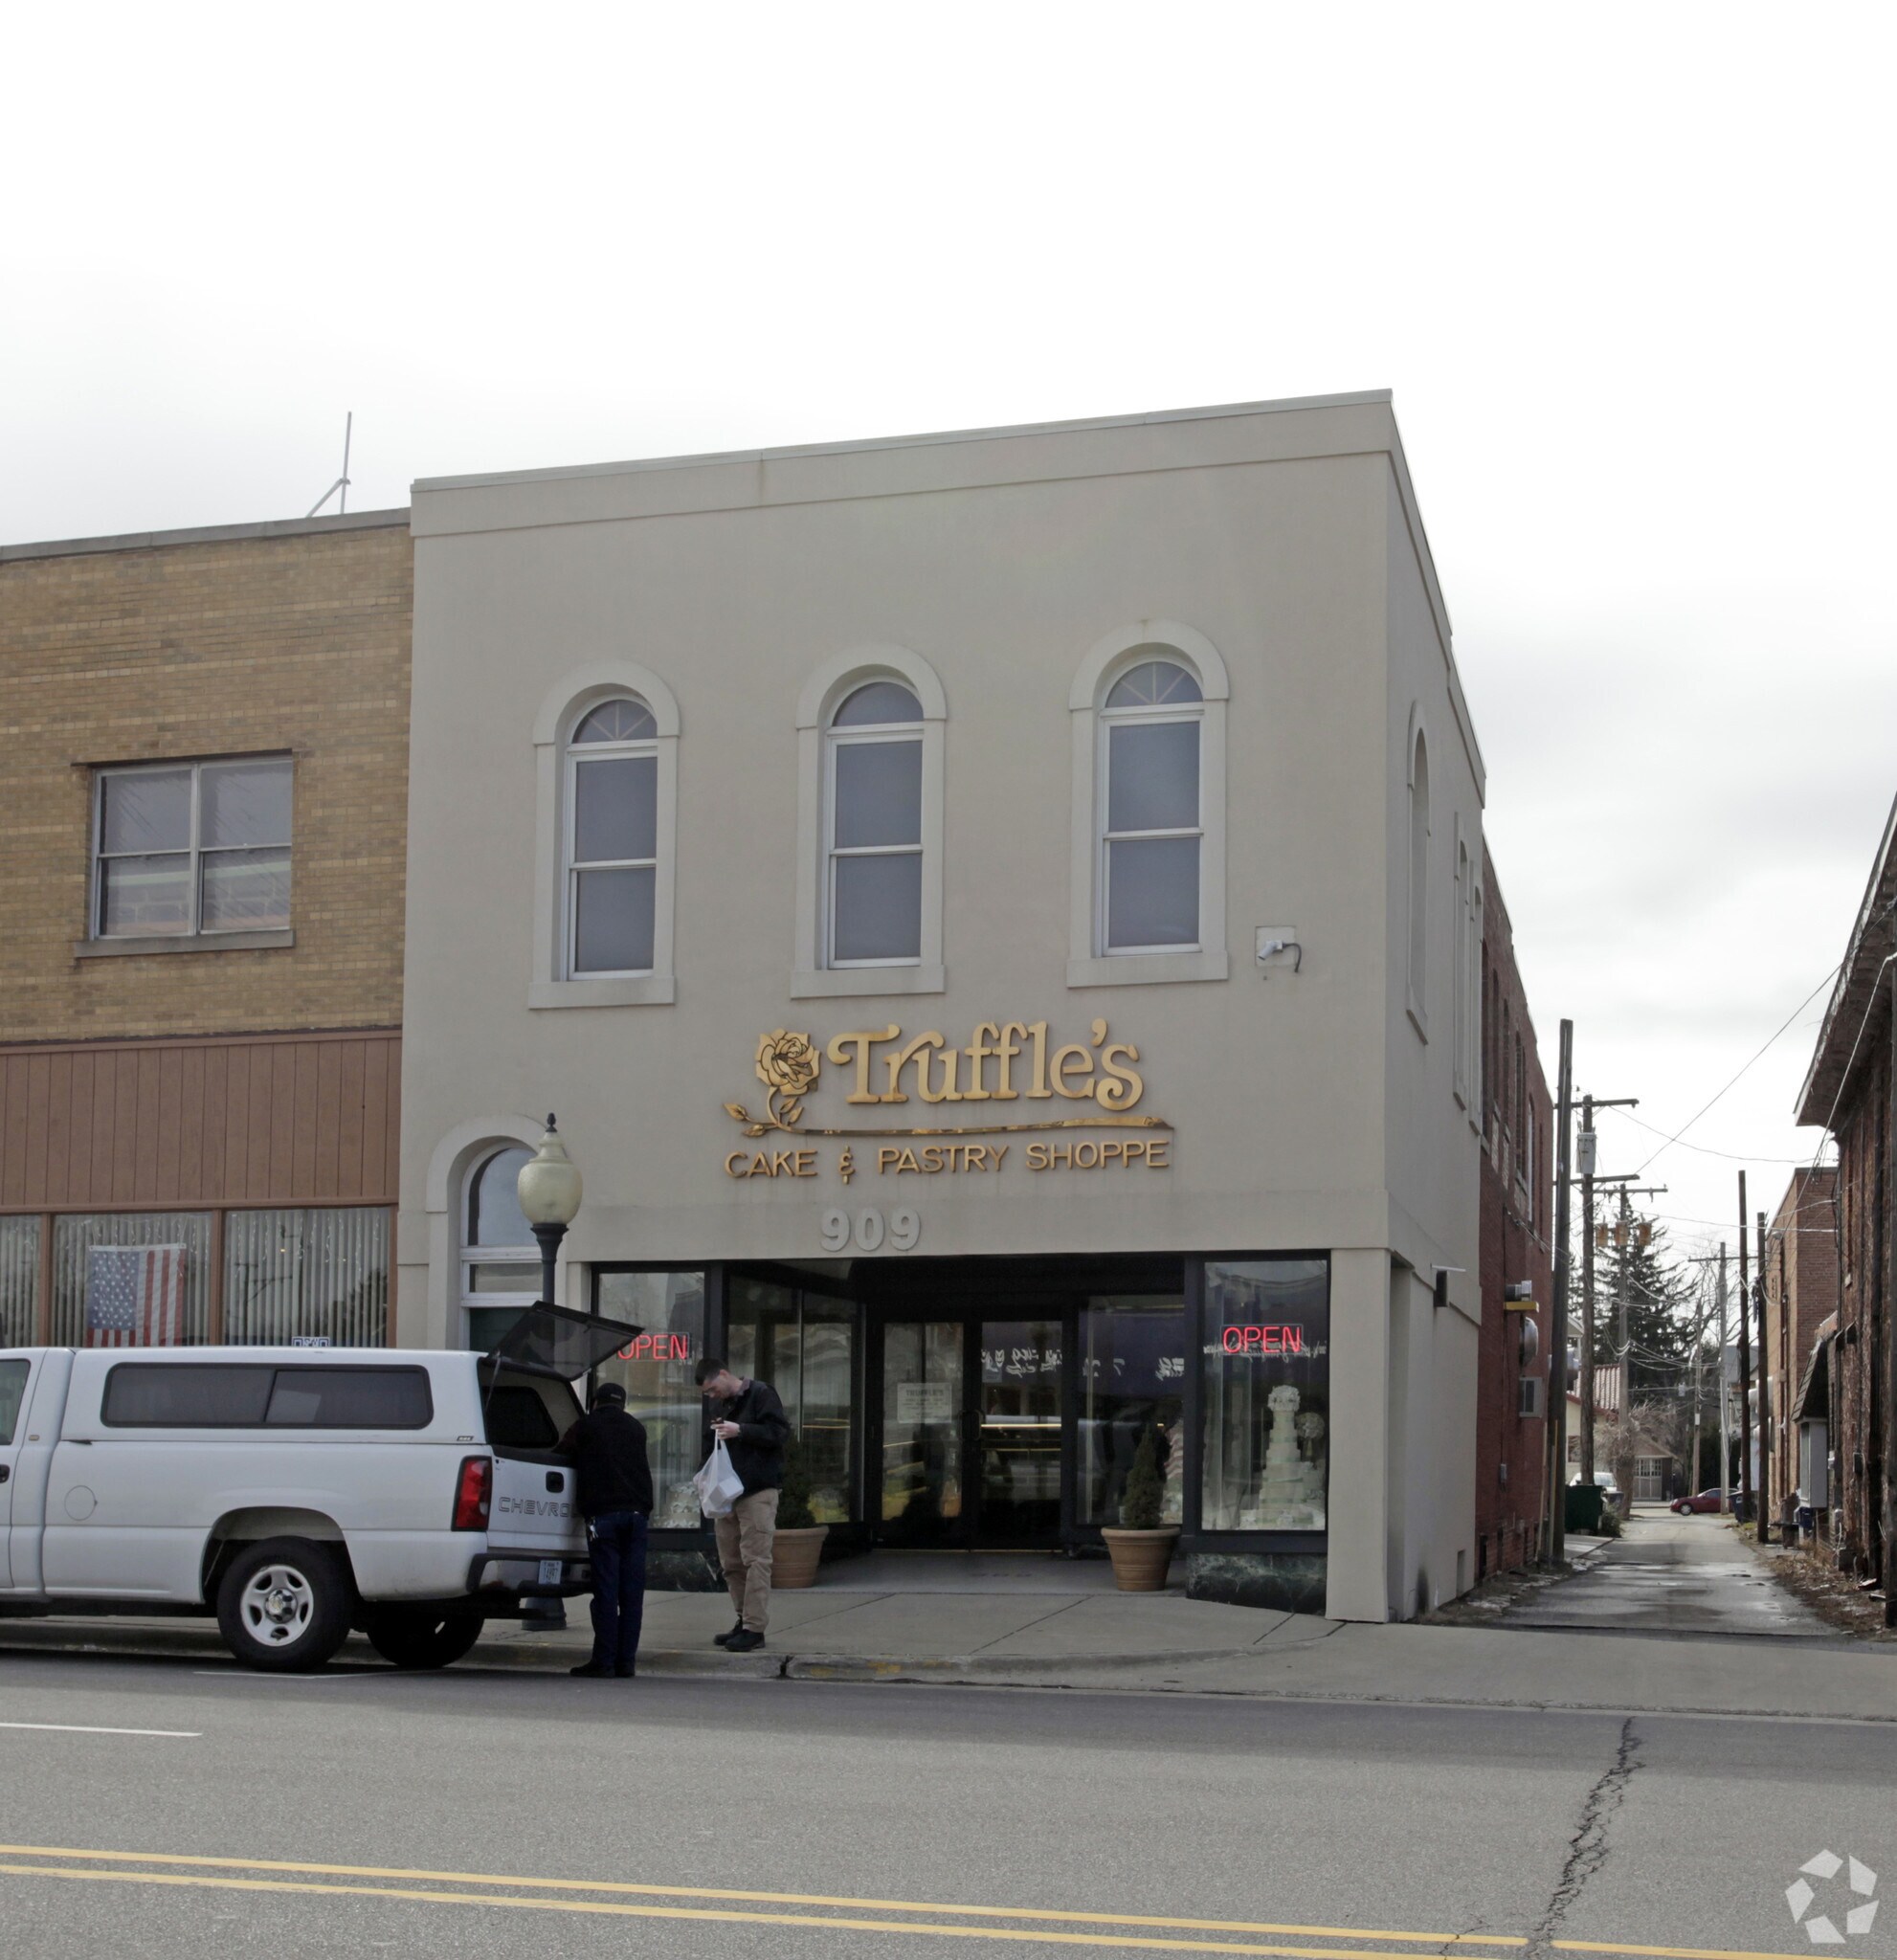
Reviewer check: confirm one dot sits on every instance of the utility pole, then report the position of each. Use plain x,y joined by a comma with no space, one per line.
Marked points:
1557,1341
1764,1435
1724,1405
1589,1169
1744,1366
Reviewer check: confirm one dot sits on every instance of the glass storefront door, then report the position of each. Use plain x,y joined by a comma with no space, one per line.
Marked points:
971,1432
923,1433
1020,1409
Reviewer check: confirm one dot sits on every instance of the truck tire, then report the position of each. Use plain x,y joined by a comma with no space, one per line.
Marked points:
284,1604
420,1635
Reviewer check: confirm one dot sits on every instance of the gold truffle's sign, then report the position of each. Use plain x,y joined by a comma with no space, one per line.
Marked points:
1003,1070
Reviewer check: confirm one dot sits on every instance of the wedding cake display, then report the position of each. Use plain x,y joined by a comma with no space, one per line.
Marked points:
1290,1496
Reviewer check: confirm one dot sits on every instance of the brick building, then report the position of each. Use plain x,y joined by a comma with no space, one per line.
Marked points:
202,802
1517,1247
1848,1092
1800,1302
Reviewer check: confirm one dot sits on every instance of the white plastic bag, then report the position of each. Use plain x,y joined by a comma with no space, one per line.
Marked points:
719,1485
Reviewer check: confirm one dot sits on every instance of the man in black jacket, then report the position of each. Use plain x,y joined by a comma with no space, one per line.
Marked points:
608,1449
749,1420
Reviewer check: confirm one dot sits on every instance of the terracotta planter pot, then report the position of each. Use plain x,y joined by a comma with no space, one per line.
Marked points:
794,1555
1140,1558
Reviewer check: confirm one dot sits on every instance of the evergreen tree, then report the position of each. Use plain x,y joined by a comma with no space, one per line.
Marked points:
1660,1319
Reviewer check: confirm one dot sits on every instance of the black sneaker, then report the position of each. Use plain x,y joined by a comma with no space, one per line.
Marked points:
591,1671
726,1640
625,1673
744,1641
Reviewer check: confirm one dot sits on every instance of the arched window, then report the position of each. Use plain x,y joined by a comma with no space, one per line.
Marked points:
500,1262
873,834
1147,904
1419,879
606,810
612,833
1151,820
870,741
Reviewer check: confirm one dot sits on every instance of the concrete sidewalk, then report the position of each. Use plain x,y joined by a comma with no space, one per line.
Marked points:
1156,1643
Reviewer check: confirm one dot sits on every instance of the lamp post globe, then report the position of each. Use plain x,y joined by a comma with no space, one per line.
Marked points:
549,1188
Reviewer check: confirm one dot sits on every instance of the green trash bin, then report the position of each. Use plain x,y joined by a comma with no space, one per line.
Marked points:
1583,1512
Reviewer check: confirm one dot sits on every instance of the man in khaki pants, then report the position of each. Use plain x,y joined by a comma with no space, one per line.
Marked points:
749,1420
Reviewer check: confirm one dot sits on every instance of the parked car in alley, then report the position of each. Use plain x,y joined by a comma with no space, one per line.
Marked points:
297,1492
1705,1501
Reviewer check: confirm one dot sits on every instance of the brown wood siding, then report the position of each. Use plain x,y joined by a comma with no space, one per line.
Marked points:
271,1118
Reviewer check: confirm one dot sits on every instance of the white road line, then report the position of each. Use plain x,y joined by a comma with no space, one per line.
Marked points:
76,1728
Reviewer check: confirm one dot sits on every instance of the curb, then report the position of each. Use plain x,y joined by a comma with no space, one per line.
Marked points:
190,1641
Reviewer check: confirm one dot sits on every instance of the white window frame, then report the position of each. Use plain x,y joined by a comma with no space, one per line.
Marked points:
1415,917
1147,715
195,851
865,735
1090,963
469,1255
813,976
1459,927
577,755
551,981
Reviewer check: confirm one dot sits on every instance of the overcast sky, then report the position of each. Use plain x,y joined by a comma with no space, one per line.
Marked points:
1625,267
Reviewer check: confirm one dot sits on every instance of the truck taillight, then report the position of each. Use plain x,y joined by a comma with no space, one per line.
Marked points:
474,1494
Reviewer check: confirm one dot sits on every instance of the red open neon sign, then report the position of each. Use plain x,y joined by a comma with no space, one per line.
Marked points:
1264,1340
658,1347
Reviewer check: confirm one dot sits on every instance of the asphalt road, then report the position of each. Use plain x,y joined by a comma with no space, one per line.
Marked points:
1672,1574
495,1814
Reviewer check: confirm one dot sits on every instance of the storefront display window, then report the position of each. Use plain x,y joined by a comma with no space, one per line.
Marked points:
315,1274
656,1371
19,1279
805,1345
131,1279
1132,1368
1267,1395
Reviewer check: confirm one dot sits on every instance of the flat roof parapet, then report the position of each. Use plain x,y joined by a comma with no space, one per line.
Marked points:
210,534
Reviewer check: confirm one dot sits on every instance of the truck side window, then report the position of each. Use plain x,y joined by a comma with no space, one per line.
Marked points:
13,1393
186,1395
351,1398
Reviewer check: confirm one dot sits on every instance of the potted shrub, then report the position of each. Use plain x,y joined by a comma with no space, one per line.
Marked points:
1141,1548
799,1544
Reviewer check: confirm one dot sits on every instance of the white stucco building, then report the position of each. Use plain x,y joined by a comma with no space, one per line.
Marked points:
868,850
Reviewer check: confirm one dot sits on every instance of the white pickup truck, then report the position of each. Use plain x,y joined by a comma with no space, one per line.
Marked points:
297,1492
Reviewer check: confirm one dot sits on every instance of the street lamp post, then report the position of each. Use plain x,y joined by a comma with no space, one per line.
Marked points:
549,1188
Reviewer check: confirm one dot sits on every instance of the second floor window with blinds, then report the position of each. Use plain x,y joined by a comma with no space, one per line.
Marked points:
195,848
874,849
611,840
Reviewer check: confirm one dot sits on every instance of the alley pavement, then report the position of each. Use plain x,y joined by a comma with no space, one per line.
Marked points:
1671,1574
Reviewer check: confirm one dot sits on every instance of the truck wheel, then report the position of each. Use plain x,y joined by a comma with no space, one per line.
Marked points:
284,1604
420,1635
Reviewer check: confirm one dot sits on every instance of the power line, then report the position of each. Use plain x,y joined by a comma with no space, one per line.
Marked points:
1706,1150
1780,1030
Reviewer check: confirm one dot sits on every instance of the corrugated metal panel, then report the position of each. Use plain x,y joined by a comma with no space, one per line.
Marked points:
273,1119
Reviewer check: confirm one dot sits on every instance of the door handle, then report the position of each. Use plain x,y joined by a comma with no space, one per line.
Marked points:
5,1471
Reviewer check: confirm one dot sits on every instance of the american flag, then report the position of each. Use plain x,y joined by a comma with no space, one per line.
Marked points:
134,1295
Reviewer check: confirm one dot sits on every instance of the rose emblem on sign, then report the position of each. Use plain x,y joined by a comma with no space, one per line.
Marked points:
786,1066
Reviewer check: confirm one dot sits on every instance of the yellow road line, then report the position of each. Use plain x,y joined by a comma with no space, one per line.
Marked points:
646,1891
1354,1935
612,1909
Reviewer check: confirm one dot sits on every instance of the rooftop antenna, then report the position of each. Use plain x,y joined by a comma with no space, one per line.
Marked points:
342,483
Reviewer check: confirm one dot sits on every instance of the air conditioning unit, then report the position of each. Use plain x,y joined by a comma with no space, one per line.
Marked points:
1533,1401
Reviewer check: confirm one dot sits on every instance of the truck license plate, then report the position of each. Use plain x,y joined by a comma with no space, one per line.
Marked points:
550,1572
